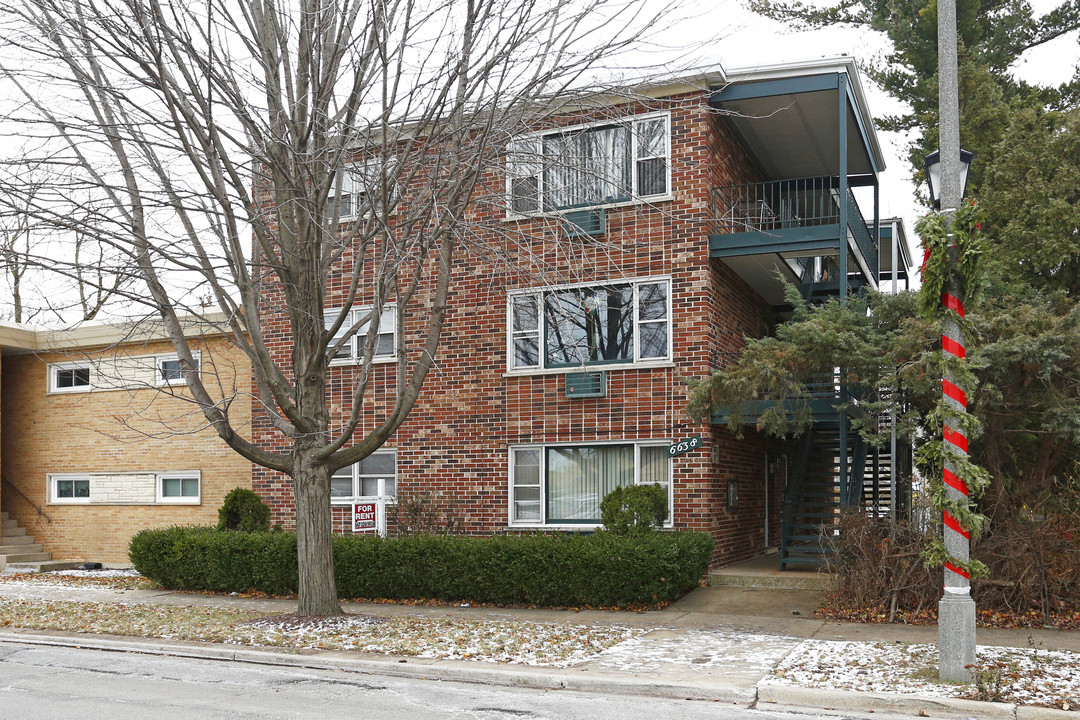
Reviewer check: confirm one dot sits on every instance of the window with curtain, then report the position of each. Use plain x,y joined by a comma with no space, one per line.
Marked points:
601,164
563,485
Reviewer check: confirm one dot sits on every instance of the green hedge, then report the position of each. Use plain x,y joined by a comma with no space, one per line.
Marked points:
599,569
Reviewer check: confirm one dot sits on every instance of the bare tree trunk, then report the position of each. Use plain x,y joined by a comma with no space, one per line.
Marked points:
314,536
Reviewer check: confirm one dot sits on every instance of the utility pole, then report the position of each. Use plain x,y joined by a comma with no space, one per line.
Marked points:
956,609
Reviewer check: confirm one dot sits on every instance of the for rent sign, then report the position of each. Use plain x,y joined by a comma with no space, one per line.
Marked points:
363,517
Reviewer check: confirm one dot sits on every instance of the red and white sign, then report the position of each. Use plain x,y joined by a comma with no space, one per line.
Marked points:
363,517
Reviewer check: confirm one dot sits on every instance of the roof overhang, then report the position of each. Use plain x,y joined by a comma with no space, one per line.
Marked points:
28,339
789,118
890,228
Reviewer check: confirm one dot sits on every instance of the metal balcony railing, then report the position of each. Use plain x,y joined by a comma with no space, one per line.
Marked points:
781,204
864,239
774,205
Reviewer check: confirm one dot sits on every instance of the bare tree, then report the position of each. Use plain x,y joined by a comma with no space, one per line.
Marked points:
15,252
214,137
16,230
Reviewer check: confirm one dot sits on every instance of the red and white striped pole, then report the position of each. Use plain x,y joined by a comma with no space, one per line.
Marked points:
956,609
957,537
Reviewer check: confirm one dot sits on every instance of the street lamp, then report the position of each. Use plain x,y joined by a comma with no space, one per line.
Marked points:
932,163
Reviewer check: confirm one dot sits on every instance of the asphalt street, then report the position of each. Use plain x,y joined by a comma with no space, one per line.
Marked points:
46,683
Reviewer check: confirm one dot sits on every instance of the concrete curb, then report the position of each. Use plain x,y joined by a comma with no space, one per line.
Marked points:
418,668
792,698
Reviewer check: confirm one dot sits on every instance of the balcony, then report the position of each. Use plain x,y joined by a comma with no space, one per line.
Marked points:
796,221
820,399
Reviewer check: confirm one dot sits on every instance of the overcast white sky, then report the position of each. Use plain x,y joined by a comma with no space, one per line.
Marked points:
735,37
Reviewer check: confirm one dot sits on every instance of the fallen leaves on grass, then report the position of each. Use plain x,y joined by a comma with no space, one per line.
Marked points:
129,580
1061,620
544,644
1050,678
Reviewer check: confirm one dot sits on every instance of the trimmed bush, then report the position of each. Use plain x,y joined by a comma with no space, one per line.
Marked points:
205,558
634,509
600,569
243,510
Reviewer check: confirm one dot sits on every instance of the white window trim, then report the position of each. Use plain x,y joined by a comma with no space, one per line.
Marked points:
357,357
53,368
357,169
162,476
55,499
542,447
635,199
159,359
382,496
539,293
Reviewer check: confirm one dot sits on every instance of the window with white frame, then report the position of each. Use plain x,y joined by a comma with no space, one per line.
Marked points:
373,478
69,488
599,164
180,488
365,187
70,377
169,371
353,349
577,325
564,484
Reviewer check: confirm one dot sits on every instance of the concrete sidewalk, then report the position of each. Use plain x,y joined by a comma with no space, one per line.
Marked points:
717,643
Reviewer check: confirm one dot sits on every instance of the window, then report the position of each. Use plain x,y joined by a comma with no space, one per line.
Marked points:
590,325
563,485
373,478
169,371
595,165
70,489
362,185
178,488
353,350
69,377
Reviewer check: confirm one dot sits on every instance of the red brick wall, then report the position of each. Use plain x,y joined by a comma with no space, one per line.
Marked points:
456,439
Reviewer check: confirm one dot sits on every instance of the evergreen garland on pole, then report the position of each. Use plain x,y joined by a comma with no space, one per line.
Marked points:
941,270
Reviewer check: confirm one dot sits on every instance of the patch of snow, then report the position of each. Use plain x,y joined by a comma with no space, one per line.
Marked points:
79,573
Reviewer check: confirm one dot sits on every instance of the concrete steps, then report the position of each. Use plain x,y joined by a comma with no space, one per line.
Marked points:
45,565
764,573
18,551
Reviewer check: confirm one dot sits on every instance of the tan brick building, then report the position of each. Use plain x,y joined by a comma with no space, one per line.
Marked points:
100,440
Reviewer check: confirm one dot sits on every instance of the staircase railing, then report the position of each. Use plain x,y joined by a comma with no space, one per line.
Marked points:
21,494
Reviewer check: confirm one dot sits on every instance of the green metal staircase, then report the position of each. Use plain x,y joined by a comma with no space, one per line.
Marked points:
816,491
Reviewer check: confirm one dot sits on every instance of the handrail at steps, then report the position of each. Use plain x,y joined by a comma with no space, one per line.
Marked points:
33,504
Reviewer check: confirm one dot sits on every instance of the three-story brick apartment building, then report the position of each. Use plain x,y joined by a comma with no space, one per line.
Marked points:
648,234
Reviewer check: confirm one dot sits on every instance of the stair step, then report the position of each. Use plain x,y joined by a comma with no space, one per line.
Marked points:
803,561
21,549
46,565
28,557
16,539
7,523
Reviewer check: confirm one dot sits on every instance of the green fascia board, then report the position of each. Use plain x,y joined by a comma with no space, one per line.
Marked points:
852,105
770,88
812,240
820,408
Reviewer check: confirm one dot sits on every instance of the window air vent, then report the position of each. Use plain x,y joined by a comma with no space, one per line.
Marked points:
586,384
585,223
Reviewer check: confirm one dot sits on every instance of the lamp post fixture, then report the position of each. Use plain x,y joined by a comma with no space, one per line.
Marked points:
932,165
956,609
